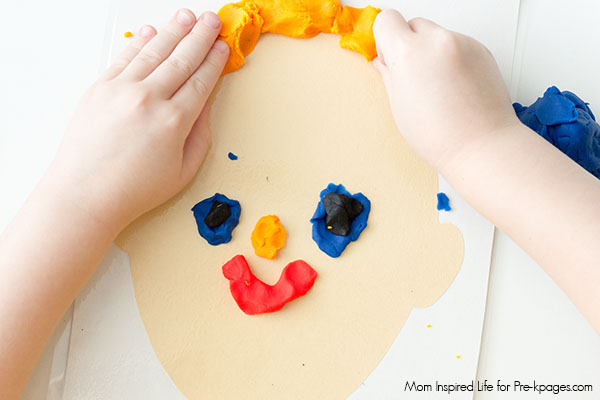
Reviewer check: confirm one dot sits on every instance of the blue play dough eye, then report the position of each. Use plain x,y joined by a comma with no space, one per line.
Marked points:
222,233
331,244
567,122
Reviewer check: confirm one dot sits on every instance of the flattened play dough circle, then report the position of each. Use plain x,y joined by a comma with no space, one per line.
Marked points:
332,244
217,230
292,103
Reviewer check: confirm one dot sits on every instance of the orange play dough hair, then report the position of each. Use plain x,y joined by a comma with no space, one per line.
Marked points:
268,237
243,22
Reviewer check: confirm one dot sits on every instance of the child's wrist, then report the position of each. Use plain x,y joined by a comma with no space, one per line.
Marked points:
476,155
75,205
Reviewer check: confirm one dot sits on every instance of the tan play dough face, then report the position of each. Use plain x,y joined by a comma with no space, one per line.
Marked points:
300,114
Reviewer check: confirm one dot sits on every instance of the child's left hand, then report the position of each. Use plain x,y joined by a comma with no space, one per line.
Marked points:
141,132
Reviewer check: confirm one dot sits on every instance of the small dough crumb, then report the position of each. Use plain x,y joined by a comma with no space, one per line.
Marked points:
268,237
443,202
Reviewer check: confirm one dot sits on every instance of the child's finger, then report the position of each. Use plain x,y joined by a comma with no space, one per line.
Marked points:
196,146
390,29
144,34
421,24
383,71
159,48
187,56
391,24
192,96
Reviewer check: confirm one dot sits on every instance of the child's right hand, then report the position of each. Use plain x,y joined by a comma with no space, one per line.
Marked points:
141,132
445,89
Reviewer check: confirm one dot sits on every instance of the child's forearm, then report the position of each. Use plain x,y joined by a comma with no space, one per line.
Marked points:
544,201
47,253
137,138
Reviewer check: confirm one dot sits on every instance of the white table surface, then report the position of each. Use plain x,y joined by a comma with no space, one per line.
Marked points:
51,52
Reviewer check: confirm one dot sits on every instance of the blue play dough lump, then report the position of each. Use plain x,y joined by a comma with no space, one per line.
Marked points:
222,233
232,156
331,244
567,122
443,202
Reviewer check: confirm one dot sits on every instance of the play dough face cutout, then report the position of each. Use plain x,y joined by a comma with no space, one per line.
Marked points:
292,103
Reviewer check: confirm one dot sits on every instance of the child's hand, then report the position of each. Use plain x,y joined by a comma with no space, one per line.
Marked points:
451,105
445,88
138,136
140,133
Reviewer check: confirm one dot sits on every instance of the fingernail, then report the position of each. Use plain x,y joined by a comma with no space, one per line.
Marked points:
211,19
185,17
221,46
146,31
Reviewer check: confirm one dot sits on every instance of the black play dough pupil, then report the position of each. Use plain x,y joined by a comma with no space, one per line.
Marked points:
218,214
340,211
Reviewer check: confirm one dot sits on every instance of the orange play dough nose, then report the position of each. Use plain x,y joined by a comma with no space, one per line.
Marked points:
268,237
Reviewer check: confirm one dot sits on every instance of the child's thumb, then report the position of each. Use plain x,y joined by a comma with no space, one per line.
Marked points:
390,29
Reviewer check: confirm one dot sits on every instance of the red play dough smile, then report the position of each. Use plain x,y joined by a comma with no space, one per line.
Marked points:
253,296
